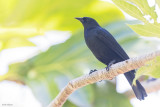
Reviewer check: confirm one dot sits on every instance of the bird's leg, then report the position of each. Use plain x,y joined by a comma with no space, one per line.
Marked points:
91,71
110,64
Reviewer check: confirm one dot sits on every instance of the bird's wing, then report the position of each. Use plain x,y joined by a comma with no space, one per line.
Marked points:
110,42
105,37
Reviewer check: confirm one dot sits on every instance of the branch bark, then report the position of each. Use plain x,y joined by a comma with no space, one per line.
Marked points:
116,69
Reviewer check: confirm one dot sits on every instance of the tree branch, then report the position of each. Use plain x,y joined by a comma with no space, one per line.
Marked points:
116,69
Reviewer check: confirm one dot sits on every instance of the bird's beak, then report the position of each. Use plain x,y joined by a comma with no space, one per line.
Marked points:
79,18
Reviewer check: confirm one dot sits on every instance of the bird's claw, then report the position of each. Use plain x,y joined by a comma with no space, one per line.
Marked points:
91,71
107,68
110,64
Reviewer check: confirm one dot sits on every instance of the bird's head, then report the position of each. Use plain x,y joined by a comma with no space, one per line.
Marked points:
87,22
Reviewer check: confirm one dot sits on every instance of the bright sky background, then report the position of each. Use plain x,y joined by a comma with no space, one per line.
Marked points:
21,96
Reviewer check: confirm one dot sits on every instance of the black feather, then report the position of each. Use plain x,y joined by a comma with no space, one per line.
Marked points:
106,49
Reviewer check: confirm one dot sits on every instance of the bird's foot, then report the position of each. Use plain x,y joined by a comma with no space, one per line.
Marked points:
110,64
91,71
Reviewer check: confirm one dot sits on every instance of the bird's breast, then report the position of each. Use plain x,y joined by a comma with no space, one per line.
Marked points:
101,51
96,46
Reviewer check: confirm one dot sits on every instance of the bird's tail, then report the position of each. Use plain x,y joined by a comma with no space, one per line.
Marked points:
138,88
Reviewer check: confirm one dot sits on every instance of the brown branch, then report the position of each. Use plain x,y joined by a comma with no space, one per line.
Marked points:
116,69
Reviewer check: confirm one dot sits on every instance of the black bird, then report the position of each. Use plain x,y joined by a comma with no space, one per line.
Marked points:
108,51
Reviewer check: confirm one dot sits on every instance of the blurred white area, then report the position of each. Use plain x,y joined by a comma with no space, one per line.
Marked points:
9,56
153,100
50,38
15,95
21,96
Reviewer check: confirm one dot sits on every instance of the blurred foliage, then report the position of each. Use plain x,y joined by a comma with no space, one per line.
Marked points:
141,10
151,68
22,19
50,71
107,95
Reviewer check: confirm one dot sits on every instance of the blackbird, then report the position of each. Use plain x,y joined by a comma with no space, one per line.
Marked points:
108,51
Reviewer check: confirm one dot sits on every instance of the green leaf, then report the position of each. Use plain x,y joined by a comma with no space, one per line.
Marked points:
158,2
151,68
17,42
28,18
141,10
149,30
145,8
106,96
130,9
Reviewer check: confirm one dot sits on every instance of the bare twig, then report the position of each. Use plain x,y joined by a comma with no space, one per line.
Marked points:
116,69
